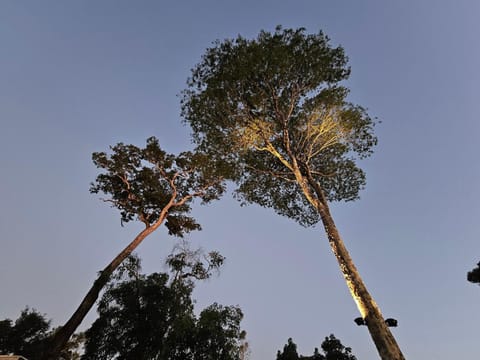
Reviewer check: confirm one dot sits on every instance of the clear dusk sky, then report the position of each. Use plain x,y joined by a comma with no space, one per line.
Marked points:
78,76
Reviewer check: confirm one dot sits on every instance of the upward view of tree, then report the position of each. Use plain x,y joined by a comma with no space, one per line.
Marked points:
153,187
147,317
332,348
272,111
474,275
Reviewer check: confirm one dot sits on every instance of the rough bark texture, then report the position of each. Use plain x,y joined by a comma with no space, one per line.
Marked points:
62,336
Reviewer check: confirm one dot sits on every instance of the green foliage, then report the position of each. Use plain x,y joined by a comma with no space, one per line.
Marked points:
151,317
29,335
131,313
143,182
218,333
273,108
474,275
332,348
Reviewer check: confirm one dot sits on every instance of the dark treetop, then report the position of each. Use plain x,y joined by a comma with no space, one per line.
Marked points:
474,275
332,348
151,317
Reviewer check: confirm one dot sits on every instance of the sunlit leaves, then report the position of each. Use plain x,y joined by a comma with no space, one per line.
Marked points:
273,108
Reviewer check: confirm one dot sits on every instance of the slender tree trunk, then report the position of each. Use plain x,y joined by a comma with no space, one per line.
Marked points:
62,336
381,335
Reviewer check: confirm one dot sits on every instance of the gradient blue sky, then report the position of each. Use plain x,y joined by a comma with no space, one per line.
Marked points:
76,77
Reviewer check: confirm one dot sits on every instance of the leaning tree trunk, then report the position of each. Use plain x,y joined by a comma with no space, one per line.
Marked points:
62,336
381,335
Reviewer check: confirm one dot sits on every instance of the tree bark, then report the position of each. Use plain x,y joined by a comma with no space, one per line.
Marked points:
385,343
62,336
381,335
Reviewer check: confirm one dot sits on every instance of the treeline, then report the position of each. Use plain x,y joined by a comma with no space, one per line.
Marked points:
152,316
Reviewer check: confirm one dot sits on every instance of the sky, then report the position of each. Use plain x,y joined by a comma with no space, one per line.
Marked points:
77,77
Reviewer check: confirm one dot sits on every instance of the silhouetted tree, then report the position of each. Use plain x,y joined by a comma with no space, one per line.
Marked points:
272,111
332,348
474,275
151,186
147,317
289,351
29,334
26,336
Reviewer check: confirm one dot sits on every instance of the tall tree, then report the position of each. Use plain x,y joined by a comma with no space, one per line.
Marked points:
151,186
147,317
273,112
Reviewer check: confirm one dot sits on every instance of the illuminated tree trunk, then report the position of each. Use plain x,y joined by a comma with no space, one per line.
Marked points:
381,335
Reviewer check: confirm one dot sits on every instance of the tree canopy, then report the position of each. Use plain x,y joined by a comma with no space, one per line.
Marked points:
26,336
151,317
154,187
273,112
144,182
29,335
266,106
